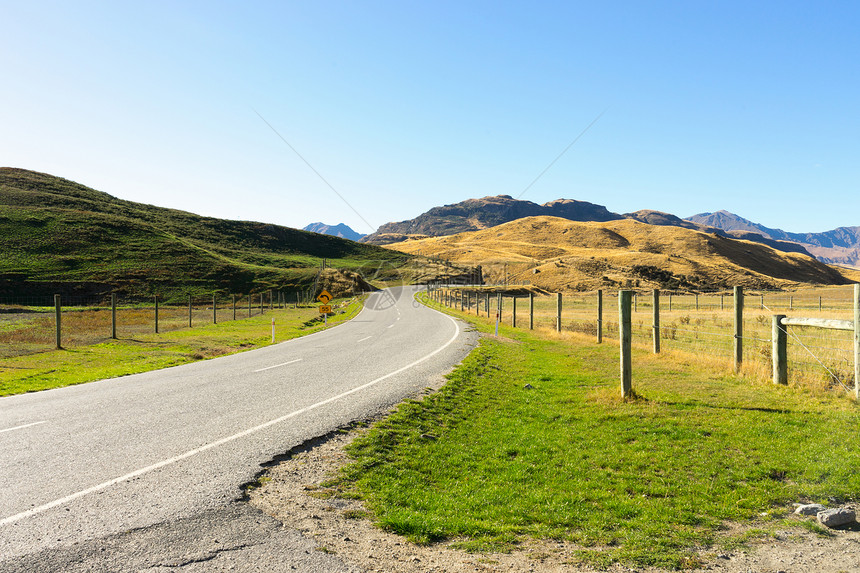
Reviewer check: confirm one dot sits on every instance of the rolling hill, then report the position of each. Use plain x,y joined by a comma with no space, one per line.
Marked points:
556,254
58,236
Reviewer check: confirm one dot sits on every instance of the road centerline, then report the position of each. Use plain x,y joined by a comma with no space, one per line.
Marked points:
23,426
279,365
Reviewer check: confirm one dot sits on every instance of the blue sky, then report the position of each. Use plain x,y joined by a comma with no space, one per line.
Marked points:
402,106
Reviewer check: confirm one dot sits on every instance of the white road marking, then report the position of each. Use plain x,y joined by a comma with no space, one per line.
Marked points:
279,365
390,326
365,338
222,441
22,427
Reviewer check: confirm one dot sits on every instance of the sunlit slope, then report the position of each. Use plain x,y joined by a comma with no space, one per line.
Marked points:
558,254
60,236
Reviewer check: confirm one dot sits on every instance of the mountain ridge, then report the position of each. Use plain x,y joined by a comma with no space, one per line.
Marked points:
340,230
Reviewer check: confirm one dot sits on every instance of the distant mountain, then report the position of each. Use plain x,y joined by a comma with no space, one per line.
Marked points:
839,246
339,230
476,214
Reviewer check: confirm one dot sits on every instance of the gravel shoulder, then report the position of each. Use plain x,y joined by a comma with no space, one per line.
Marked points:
291,491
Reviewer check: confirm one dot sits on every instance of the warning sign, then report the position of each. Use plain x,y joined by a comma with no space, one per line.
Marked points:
325,297
325,309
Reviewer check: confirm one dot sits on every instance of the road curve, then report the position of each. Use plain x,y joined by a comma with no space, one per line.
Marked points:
82,465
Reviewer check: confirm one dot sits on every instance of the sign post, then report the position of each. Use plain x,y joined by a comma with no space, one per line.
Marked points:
325,309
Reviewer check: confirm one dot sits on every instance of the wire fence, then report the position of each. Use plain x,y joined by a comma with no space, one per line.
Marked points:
699,324
29,325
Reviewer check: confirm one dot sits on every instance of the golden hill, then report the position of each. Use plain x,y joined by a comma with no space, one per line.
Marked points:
558,254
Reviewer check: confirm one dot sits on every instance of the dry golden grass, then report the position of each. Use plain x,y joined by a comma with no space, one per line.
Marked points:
560,255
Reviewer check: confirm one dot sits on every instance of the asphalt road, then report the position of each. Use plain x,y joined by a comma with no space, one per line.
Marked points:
143,473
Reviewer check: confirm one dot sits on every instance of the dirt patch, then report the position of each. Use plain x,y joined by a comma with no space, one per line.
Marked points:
292,491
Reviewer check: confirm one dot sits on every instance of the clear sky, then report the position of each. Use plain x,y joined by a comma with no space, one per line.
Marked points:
400,106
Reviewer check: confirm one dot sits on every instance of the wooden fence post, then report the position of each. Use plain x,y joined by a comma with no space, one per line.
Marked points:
113,316
58,311
531,311
558,313
514,312
499,303
625,298
739,328
656,325
156,314
462,300
670,302
599,316
780,350
857,341
697,301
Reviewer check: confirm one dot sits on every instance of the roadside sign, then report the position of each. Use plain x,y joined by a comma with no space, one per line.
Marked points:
325,309
325,297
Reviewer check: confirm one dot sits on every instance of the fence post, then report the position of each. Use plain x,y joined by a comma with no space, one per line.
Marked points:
656,321
58,311
297,299
635,302
857,341
762,301
722,302
531,311
558,313
113,316
697,301
790,302
189,311
234,306
271,299
780,351
514,312
462,300
670,302
156,314
625,298
262,310
500,301
487,304
599,316
214,310
739,328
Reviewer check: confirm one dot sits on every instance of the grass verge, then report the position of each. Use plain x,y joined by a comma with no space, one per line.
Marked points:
530,437
153,351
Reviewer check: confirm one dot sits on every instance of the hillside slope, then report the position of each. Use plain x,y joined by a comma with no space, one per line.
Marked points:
557,254
60,236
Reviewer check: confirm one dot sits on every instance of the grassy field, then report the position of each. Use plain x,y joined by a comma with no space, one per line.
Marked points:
530,438
704,325
150,351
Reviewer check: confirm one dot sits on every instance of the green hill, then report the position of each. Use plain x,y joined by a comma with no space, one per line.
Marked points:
59,236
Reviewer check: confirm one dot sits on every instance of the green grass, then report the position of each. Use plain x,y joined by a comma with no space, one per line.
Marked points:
488,461
147,352
60,236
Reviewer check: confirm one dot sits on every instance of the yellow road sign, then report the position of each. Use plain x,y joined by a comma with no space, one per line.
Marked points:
325,297
325,309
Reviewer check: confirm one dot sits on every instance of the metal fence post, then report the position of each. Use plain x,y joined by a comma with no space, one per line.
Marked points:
780,350
739,328
58,311
656,325
113,316
625,299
